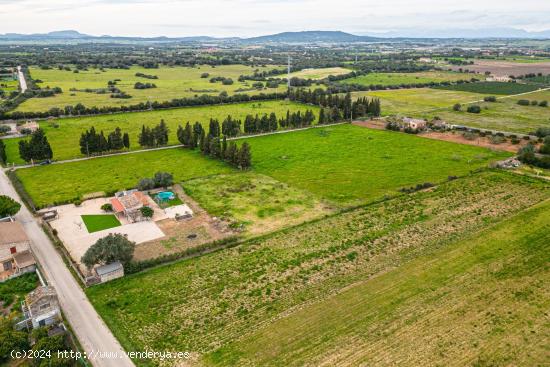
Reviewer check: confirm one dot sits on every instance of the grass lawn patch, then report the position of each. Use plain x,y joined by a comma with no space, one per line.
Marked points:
302,268
65,182
349,165
99,222
503,88
64,134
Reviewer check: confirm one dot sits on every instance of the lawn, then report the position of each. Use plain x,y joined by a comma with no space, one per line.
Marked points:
390,79
58,183
349,165
411,101
172,82
502,88
320,73
277,304
504,115
64,134
254,202
99,222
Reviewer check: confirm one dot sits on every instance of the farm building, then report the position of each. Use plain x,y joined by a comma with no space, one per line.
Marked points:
129,203
110,271
31,126
415,124
498,79
41,308
15,251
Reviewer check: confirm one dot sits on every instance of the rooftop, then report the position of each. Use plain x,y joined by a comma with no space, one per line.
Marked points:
109,268
38,293
12,232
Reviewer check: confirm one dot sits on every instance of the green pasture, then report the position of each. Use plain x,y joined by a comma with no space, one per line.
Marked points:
390,79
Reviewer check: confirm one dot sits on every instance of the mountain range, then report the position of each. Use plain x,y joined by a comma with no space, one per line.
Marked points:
285,37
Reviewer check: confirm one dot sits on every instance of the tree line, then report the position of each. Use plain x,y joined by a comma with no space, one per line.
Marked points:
37,148
337,106
91,142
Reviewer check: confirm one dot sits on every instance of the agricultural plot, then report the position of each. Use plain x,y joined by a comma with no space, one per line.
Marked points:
391,79
320,73
254,202
172,82
442,309
349,165
64,134
501,88
59,183
283,284
503,115
507,68
411,101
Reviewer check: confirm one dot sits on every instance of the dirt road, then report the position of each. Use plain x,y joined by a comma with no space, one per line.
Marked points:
22,80
90,330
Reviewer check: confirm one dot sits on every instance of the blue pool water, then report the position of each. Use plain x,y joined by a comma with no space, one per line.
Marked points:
165,195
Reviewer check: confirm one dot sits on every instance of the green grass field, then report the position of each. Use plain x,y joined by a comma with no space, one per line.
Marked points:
70,181
389,278
348,164
387,79
318,160
172,82
95,223
64,134
411,101
320,73
255,202
504,115
501,88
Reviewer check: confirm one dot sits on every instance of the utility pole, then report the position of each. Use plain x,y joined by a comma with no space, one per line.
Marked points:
288,73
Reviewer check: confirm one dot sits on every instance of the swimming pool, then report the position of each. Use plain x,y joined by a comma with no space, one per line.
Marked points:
166,195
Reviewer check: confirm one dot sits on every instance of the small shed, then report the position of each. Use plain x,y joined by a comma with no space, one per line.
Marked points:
415,124
110,271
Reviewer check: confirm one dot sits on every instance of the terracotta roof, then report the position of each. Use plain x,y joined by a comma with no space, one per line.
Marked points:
117,205
141,197
12,232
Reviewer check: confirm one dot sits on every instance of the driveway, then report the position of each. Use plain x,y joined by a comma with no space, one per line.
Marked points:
89,328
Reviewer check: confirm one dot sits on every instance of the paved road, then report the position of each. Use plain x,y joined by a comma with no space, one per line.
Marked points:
90,330
22,80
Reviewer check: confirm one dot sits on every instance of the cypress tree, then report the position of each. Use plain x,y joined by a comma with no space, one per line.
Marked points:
126,140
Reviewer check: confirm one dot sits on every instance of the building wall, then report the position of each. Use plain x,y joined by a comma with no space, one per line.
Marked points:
5,252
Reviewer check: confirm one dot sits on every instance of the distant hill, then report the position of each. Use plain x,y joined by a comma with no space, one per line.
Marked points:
311,37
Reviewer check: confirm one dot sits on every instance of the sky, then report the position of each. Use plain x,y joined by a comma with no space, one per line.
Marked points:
245,18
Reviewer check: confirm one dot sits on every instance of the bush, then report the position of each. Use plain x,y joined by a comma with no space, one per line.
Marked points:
490,99
205,75
543,103
523,102
457,107
107,207
474,109
113,247
147,212
146,184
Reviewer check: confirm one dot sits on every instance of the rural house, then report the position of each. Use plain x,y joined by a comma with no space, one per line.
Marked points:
415,124
40,308
129,203
29,126
110,271
15,251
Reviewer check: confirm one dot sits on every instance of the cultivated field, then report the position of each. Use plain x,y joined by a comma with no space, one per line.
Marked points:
64,134
318,74
503,88
387,79
172,82
69,181
411,101
317,292
317,160
506,68
504,115
254,202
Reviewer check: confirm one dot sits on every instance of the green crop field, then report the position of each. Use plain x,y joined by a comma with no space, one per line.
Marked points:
348,164
504,115
387,79
411,101
503,88
99,222
172,82
318,160
64,134
320,73
70,181
389,278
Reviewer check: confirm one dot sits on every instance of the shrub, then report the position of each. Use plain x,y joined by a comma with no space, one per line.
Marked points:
146,184
543,103
474,109
457,107
107,207
490,99
534,103
523,102
147,212
113,247
469,135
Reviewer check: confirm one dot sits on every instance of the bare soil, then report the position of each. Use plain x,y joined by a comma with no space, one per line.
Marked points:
371,124
479,141
506,68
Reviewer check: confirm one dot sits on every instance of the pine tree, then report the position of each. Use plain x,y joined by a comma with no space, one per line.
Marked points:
214,128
